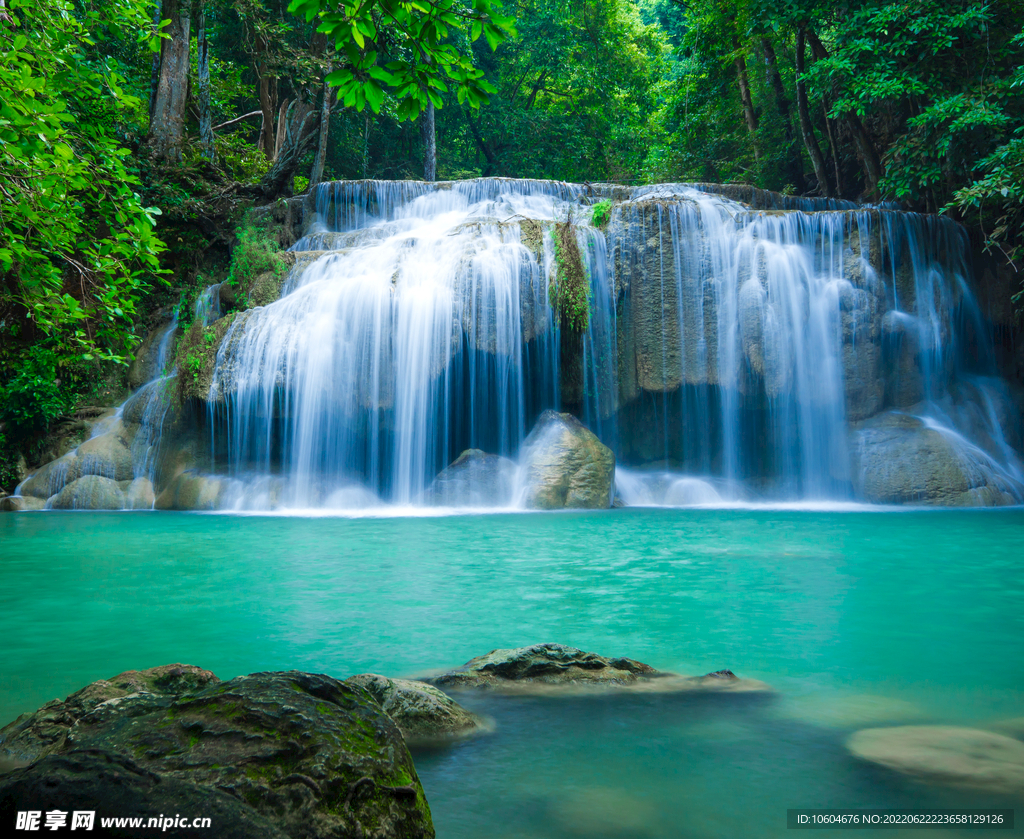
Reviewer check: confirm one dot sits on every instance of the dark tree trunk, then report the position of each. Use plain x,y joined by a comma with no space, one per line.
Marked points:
749,114
300,134
429,144
806,129
794,163
330,97
167,123
871,164
154,73
267,97
203,77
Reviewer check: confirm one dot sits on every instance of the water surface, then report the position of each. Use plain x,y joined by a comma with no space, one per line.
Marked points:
855,618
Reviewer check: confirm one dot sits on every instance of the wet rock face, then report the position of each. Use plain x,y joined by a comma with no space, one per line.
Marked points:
475,479
425,715
959,757
311,755
545,663
114,785
191,491
566,466
20,503
92,492
897,459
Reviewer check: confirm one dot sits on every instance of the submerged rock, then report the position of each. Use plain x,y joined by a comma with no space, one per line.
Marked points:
113,784
566,465
424,714
310,755
959,757
92,492
474,479
547,668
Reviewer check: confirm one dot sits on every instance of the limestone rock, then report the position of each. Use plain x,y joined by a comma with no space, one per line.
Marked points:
21,503
147,364
565,465
139,495
105,455
91,492
424,714
474,479
191,491
897,459
959,757
112,784
50,478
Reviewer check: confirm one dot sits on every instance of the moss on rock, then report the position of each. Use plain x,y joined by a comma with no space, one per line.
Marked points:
196,357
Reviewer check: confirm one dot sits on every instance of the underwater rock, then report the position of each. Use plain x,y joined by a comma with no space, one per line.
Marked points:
556,668
112,784
191,491
959,757
21,503
604,812
139,495
565,465
313,756
424,714
897,459
92,492
474,479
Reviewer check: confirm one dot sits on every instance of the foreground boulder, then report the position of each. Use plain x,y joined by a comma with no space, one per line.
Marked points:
556,668
959,757
310,755
191,491
425,715
565,465
21,503
474,479
92,492
113,785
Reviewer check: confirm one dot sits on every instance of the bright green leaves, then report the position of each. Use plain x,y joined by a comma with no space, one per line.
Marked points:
424,41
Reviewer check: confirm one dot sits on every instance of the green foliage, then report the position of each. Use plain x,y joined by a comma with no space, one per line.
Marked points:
426,59
570,289
255,253
77,247
602,212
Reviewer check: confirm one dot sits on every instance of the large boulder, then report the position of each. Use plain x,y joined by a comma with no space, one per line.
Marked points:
565,465
49,478
959,757
114,785
556,668
105,455
21,503
897,458
425,714
311,755
92,492
474,479
191,491
139,495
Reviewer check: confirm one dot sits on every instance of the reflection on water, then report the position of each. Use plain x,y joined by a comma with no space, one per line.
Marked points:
856,619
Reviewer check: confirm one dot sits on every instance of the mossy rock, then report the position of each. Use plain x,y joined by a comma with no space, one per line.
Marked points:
196,357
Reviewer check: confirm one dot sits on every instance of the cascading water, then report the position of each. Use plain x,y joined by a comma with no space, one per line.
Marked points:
740,346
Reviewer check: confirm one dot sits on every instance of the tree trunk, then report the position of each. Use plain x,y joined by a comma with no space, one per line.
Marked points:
870,162
429,144
794,163
749,114
330,97
267,97
167,124
154,73
301,132
203,77
282,114
806,129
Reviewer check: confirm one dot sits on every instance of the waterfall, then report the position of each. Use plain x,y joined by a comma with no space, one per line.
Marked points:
741,346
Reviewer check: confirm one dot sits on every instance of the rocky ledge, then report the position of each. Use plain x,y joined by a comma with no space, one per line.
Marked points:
270,754
558,669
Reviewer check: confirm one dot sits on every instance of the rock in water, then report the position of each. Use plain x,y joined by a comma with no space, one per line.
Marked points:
311,755
139,495
475,479
191,491
565,465
555,668
113,785
423,713
89,493
959,757
20,503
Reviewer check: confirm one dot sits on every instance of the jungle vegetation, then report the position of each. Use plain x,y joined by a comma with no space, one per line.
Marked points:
133,134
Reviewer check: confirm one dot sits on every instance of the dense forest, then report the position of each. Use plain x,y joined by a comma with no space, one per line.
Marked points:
134,135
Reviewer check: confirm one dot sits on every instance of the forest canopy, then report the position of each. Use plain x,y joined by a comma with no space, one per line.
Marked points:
128,126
